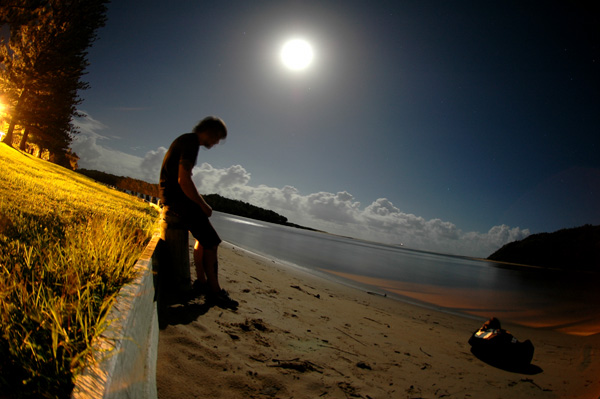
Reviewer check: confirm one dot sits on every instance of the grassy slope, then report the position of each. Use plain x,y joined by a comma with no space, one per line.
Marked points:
67,244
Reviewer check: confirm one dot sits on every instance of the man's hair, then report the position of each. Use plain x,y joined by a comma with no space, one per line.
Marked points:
213,125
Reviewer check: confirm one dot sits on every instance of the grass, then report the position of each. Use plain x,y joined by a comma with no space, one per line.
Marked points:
67,245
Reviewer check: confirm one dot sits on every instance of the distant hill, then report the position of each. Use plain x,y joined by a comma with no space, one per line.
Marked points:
217,202
570,249
240,208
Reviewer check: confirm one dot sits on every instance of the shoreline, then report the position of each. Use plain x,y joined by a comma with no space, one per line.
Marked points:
303,336
566,318
458,302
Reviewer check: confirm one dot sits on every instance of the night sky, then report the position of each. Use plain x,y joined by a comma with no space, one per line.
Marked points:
452,126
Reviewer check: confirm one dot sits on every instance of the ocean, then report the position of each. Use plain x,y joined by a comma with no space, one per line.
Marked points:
564,301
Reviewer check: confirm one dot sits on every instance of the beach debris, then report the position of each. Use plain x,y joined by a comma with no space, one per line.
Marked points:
259,358
378,322
530,381
257,279
348,335
328,345
421,349
412,390
296,364
297,287
270,293
233,336
376,293
363,365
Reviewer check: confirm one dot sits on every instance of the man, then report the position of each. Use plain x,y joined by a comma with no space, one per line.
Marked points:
180,197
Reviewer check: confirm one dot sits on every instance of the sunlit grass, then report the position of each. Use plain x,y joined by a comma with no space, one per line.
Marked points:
67,244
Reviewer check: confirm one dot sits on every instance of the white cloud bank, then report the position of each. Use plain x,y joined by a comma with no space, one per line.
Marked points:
93,155
337,213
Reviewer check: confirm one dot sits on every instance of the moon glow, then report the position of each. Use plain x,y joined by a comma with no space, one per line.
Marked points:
296,54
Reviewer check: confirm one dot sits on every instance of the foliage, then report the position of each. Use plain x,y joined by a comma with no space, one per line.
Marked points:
244,209
42,63
216,201
571,249
67,245
122,182
240,208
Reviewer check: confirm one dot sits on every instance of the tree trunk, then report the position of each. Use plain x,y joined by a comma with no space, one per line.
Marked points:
23,144
8,137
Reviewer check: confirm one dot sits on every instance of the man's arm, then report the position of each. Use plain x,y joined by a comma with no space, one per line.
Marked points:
189,188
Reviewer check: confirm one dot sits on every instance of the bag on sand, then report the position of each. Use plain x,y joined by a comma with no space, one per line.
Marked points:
497,346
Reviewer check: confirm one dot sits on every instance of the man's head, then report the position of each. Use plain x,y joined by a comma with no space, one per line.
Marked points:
213,127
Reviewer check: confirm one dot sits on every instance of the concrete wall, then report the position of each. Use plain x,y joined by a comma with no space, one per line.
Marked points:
124,364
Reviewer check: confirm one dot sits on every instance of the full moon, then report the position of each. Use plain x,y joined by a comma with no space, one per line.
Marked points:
296,54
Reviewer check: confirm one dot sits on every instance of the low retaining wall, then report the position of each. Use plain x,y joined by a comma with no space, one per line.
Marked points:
125,360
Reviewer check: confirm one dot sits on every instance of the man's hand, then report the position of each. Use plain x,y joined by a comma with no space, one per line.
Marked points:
189,188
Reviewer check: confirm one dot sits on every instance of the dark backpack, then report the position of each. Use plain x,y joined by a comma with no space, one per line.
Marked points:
499,347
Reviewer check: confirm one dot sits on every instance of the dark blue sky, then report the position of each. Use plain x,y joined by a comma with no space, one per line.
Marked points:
453,117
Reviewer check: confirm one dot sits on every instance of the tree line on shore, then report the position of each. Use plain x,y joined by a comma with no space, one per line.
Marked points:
43,56
122,182
216,201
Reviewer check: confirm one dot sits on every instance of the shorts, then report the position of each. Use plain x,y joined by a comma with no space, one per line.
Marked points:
192,217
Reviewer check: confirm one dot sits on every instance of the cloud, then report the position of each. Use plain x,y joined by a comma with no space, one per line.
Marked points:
93,155
339,208
337,213
151,163
209,179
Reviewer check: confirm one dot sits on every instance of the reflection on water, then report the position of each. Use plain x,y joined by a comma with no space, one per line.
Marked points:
522,308
562,301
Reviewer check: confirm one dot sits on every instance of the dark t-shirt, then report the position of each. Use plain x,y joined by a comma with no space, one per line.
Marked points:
184,148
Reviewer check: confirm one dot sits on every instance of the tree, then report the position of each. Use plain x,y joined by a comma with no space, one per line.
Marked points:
43,62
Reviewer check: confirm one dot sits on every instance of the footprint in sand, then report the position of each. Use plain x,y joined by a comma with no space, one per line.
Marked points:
252,324
349,390
272,293
256,326
586,357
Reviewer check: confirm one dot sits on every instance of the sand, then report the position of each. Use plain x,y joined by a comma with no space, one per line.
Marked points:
296,335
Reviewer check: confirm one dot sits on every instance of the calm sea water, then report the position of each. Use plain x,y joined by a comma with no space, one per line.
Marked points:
568,302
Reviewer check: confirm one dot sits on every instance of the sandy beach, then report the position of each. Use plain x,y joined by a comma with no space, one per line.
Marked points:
296,335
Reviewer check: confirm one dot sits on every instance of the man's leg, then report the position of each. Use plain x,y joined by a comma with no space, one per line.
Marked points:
198,255
204,232
209,263
217,296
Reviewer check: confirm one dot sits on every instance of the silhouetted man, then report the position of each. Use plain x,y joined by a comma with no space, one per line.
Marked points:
180,197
